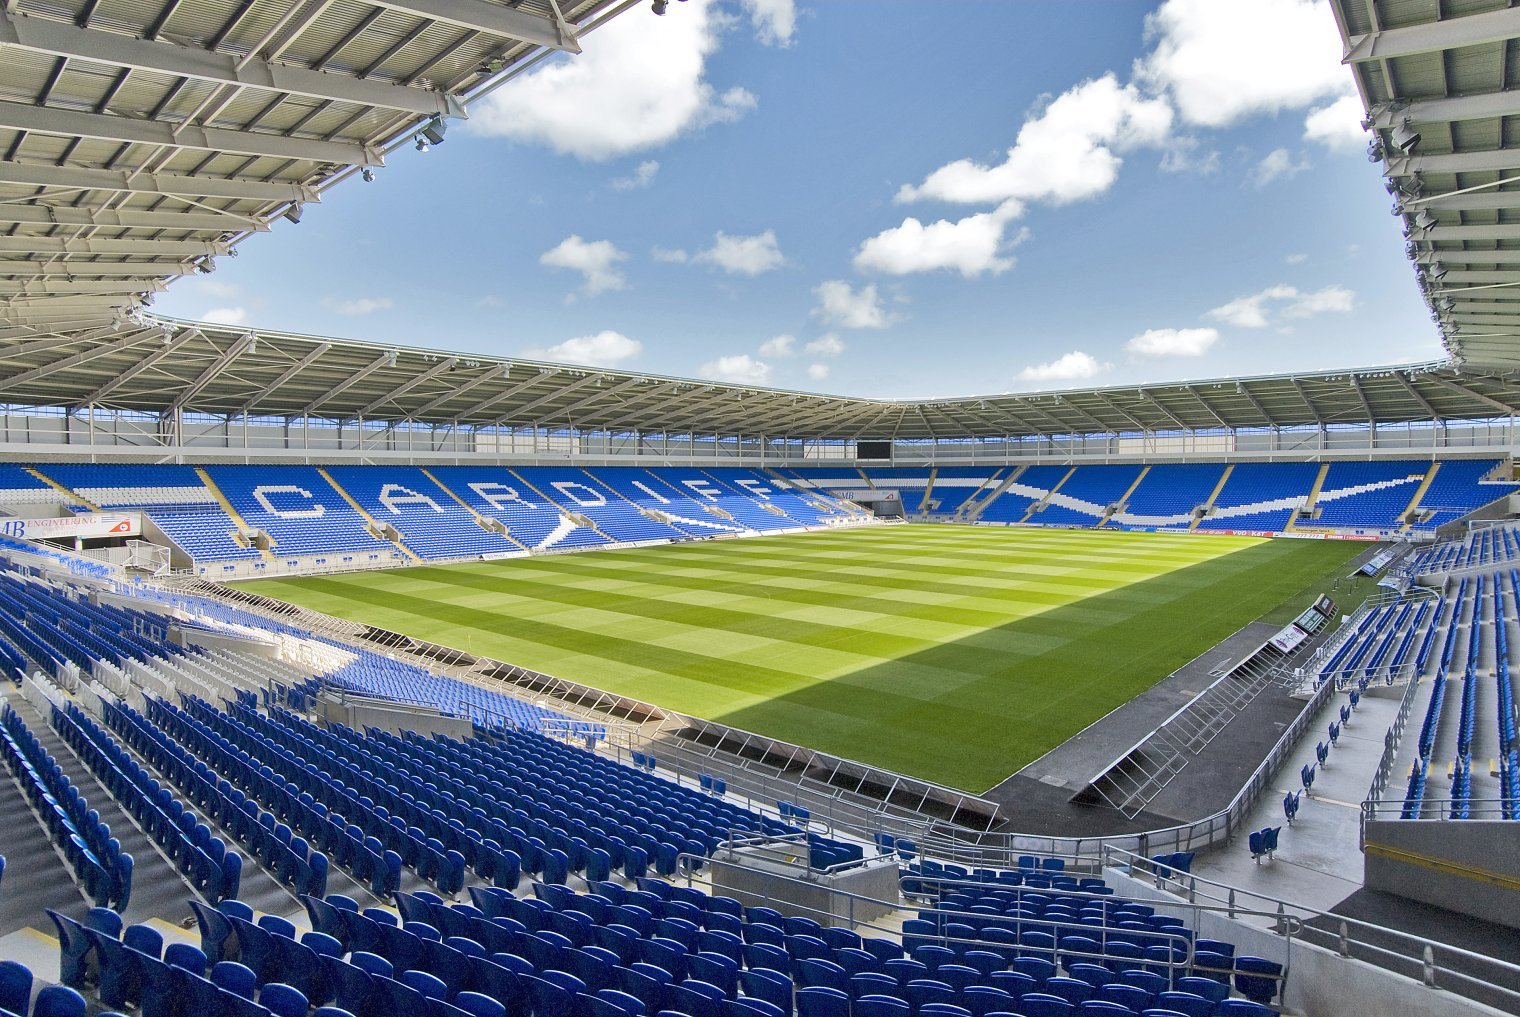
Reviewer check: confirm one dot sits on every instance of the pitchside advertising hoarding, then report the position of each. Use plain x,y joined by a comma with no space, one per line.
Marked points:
90,526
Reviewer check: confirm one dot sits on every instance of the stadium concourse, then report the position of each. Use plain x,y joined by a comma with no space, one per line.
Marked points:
219,802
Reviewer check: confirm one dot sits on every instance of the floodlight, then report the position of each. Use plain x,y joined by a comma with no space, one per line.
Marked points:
659,6
368,176
293,213
1375,150
1436,271
422,145
390,359
434,130
1447,305
1405,137
1423,220
205,266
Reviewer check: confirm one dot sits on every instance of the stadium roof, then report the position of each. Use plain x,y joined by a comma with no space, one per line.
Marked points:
189,367
1439,84
141,140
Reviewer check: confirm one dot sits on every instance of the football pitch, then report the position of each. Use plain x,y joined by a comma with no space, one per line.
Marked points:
951,653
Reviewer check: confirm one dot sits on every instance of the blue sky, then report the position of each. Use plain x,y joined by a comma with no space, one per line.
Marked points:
892,199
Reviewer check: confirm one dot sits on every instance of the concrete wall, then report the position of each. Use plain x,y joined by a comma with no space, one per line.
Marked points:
1470,865
395,718
763,877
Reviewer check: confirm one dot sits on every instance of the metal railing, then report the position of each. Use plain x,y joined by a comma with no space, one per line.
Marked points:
1384,772
1435,964
769,889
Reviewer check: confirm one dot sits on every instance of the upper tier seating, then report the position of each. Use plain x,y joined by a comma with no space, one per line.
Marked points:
1261,496
300,510
173,497
684,512
954,484
531,519
1029,487
1167,496
579,492
1372,495
816,509
739,504
1458,489
431,523
911,484
19,488
1086,495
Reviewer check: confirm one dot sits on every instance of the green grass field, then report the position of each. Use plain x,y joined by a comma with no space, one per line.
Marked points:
956,654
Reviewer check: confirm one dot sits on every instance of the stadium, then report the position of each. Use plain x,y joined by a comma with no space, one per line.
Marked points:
352,676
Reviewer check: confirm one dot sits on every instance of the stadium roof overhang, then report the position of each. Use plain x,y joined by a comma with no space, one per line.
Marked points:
1439,84
163,367
139,141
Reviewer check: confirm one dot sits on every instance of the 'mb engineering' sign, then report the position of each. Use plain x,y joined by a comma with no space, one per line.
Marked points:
93,524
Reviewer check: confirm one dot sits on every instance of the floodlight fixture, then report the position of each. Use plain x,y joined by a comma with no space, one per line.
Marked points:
421,144
433,131
293,213
368,175
659,7
1436,270
1375,150
1423,220
1404,137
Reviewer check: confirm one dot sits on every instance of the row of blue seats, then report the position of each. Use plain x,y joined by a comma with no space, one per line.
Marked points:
52,1000
288,857
99,864
202,858
332,807
349,846
441,849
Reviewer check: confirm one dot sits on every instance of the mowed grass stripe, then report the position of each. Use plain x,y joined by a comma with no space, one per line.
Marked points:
952,653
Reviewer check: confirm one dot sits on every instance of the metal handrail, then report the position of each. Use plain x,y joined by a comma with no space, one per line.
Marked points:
1420,955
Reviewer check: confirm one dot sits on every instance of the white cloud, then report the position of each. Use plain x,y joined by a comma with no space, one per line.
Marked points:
1278,164
1221,62
780,346
818,372
597,260
490,300
226,316
775,21
605,349
358,306
1064,152
1252,311
971,246
669,255
1337,126
1173,342
741,369
642,176
1296,259
216,288
640,83
743,255
1331,299
1073,366
827,345
838,304
1185,154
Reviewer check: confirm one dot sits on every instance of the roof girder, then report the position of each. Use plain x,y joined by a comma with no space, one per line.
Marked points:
52,120
40,35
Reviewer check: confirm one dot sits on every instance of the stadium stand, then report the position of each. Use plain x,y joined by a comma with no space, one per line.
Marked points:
429,521
1371,494
1086,496
1016,499
528,518
1167,496
301,511
682,512
1261,496
1459,486
955,485
173,497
